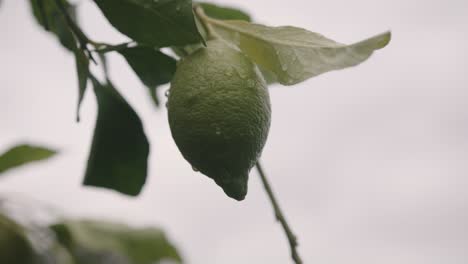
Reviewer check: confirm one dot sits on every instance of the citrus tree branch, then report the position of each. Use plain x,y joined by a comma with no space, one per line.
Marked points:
279,215
76,30
82,38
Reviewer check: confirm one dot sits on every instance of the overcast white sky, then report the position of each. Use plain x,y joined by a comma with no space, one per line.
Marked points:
370,164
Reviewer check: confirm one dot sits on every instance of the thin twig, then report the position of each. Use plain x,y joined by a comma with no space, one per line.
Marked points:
104,48
279,215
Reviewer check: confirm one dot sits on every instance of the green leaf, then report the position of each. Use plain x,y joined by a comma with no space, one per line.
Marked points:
48,15
224,13
23,154
82,67
153,67
270,77
214,11
119,152
14,244
160,23
295,54
108,240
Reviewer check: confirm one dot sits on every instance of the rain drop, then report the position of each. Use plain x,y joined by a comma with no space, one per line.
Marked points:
167,92
218,131
194,169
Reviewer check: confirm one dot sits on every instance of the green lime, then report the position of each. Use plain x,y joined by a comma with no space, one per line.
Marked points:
219,114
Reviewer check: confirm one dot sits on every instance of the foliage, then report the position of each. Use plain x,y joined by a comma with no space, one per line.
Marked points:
87,239
119,151
287,55
23,154
82,242
14,244
153,67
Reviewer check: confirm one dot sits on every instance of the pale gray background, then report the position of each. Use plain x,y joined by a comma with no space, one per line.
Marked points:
370,163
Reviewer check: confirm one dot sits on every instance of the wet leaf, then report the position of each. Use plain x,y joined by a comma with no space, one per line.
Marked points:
159,23
295,54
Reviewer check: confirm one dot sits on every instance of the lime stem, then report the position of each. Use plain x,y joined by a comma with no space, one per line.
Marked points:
279,215
210,32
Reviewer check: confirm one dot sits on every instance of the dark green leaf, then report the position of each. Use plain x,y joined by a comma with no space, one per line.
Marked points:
82,67
224,13
23,154
156,22
48,15
119,152
152,67
116,243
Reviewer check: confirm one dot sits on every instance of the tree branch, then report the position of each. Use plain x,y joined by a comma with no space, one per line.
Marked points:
279,215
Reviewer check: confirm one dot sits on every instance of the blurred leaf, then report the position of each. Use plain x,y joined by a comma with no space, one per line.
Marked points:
48,15
156,22
152,67
108,242
23,154
119,152
82,67
295,54
224,13
60,255
14,245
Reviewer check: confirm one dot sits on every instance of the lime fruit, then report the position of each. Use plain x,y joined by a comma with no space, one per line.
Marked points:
219,114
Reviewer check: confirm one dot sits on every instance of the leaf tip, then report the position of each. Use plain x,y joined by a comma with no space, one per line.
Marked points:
77,117
384,39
